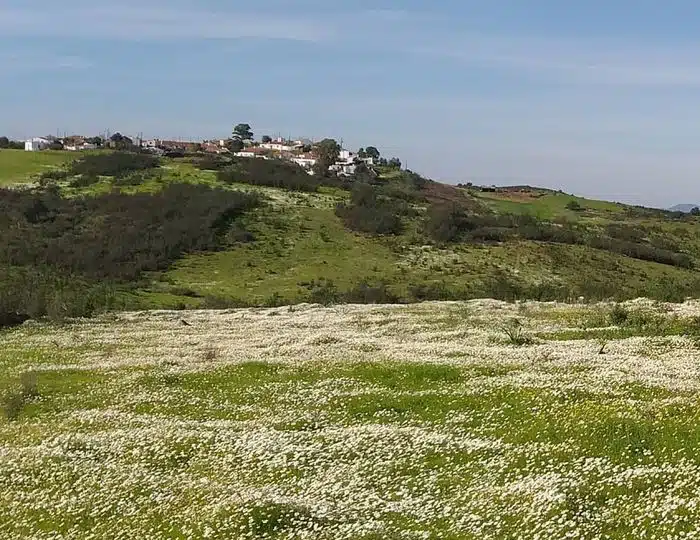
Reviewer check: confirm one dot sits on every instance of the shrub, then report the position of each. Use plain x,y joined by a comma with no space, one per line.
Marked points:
113,164
430,291
137,178
618,315
268,172
115,236
445,222
643,252
211,162
574,205
12,405
52,176
370,214
84,180
323,291
515,333
15,401
364,293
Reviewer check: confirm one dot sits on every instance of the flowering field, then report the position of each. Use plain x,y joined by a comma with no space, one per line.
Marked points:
439,420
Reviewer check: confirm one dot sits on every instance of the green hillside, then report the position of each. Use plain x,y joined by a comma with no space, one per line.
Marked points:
395,238
18,166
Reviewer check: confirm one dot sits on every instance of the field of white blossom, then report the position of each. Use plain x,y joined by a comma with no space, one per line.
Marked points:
470,420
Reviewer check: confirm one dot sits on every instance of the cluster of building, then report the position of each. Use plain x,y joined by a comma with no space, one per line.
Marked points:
36,144
301,151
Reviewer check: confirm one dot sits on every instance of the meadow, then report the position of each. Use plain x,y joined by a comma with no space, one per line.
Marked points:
453,420
18,166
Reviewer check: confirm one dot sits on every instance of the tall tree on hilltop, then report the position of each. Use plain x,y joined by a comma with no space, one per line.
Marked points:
243,132
372,152
328,151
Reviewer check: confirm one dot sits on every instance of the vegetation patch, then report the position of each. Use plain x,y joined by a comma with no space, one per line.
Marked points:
60,244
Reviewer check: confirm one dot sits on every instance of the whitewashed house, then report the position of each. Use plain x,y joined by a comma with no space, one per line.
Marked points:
79,147
35,144
278,146
306,161
252,152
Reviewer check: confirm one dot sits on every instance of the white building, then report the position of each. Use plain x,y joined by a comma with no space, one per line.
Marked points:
36,144
278,146
343,168
252,153
83,146
303,161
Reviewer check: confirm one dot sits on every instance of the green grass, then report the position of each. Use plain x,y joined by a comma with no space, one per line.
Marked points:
549,205
302,245
18,166
299,239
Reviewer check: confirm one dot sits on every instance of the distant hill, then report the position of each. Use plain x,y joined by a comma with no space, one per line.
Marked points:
684,207
395,237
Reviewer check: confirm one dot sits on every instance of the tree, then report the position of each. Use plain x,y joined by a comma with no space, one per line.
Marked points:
395,163
121,142
235,145
695,211
363,174
266,139
243,132
372,152
361,153
328,151
97,141
4,142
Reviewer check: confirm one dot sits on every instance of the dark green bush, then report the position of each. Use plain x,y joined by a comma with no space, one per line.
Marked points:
211,162
369,213
115,236
269,172
365,293
84,180
618,315
113,164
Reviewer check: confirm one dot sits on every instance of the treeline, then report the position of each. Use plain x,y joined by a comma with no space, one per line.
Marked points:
77,243
9,144
452,223
499,285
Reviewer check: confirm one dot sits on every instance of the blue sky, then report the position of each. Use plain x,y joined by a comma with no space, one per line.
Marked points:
595,98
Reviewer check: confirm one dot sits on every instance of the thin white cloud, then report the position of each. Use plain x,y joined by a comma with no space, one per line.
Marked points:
128,20
580,62
24,61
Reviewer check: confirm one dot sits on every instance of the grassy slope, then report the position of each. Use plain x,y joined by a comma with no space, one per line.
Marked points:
17,166
291,249
299,239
